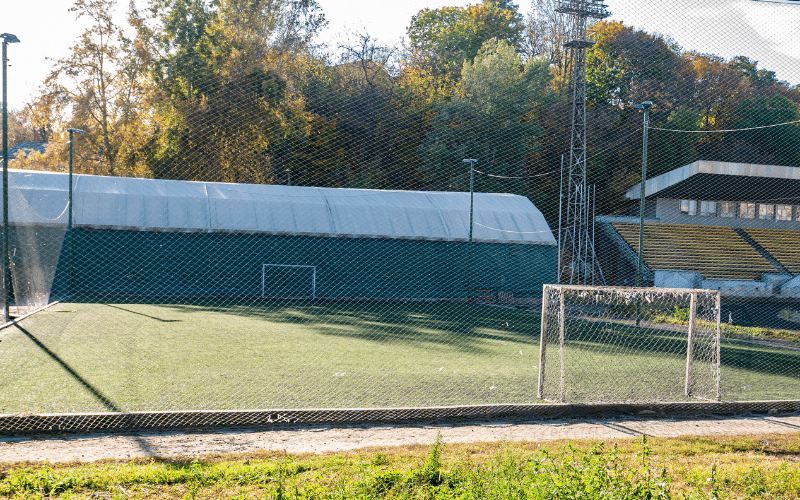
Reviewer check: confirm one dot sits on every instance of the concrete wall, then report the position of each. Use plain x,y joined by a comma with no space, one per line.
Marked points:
791,288
737,288
772,285
677,279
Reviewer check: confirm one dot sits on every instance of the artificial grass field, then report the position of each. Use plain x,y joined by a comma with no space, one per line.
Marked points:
122,356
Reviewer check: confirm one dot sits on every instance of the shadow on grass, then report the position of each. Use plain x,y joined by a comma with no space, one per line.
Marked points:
94,391
459,326
99,396
598,337
462,326
145,315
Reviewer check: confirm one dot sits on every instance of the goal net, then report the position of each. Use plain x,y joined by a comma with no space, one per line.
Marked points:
36,239
288,281
610,344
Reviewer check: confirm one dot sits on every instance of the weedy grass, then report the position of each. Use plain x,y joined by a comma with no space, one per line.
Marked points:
680,316
736,467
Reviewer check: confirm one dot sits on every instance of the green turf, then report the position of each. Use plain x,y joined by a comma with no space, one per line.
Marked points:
77,357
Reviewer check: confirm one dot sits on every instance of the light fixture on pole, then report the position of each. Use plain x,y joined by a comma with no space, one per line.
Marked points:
472,163
69,217
7,38
645,106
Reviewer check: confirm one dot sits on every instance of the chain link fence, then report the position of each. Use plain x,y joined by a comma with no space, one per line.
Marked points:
266,211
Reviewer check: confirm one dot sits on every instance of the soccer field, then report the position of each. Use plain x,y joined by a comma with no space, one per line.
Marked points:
121,356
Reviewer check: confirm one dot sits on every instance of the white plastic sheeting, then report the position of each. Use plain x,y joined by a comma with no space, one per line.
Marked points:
167,205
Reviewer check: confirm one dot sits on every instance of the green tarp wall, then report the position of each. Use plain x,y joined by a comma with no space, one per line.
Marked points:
171,263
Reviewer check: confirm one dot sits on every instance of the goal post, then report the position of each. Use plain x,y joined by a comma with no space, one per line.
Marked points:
618,344
288,281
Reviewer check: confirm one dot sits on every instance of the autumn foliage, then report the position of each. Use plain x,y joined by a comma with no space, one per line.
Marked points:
242,91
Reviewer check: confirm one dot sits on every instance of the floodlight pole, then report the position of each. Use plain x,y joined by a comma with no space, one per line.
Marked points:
646,127
646,107
469,244
560,204
69,216
7,38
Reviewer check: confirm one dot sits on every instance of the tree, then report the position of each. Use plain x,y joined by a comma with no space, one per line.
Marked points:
546,31
775,145
718,89
100,83
760,78
492,118
627,65
38,121
24,126
451,35
672,150
271,30
227,105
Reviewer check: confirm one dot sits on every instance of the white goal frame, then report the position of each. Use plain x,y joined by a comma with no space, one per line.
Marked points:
690,338
313,278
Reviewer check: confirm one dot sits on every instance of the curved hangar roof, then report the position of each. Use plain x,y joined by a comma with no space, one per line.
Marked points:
167,205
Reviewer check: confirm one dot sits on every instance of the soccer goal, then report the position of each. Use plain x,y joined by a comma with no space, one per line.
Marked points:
288,281
612,344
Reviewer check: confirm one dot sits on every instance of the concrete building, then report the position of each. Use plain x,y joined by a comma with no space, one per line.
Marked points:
729,226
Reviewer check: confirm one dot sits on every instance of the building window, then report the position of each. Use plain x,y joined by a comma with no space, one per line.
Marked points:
783,212
689,207
727,209
766,211
797,212
747,210
708,208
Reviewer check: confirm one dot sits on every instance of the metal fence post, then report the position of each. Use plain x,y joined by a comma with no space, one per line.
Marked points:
718,348
690,343
543,341
469,244
561,334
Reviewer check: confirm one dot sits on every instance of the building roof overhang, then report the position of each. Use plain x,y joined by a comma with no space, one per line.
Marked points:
716,180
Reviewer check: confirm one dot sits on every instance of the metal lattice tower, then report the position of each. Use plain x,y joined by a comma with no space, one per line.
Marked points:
577,245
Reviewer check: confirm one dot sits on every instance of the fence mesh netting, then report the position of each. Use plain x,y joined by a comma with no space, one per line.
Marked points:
248,206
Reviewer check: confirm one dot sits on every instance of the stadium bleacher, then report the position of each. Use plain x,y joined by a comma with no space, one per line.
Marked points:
782,244
716,252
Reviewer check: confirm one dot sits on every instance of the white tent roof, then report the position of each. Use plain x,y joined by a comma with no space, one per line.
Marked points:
166,205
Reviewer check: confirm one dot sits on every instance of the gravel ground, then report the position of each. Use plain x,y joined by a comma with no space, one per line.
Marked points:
321,439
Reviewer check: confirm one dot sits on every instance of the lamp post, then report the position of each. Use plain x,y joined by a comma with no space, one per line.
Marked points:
7,38
69,216
469,244
645,106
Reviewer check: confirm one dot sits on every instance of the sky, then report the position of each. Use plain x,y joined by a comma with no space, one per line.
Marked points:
765,31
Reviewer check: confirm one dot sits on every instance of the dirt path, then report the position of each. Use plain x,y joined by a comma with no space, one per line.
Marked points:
318,439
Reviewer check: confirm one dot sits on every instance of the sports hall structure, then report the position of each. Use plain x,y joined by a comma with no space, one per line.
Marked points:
150,237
